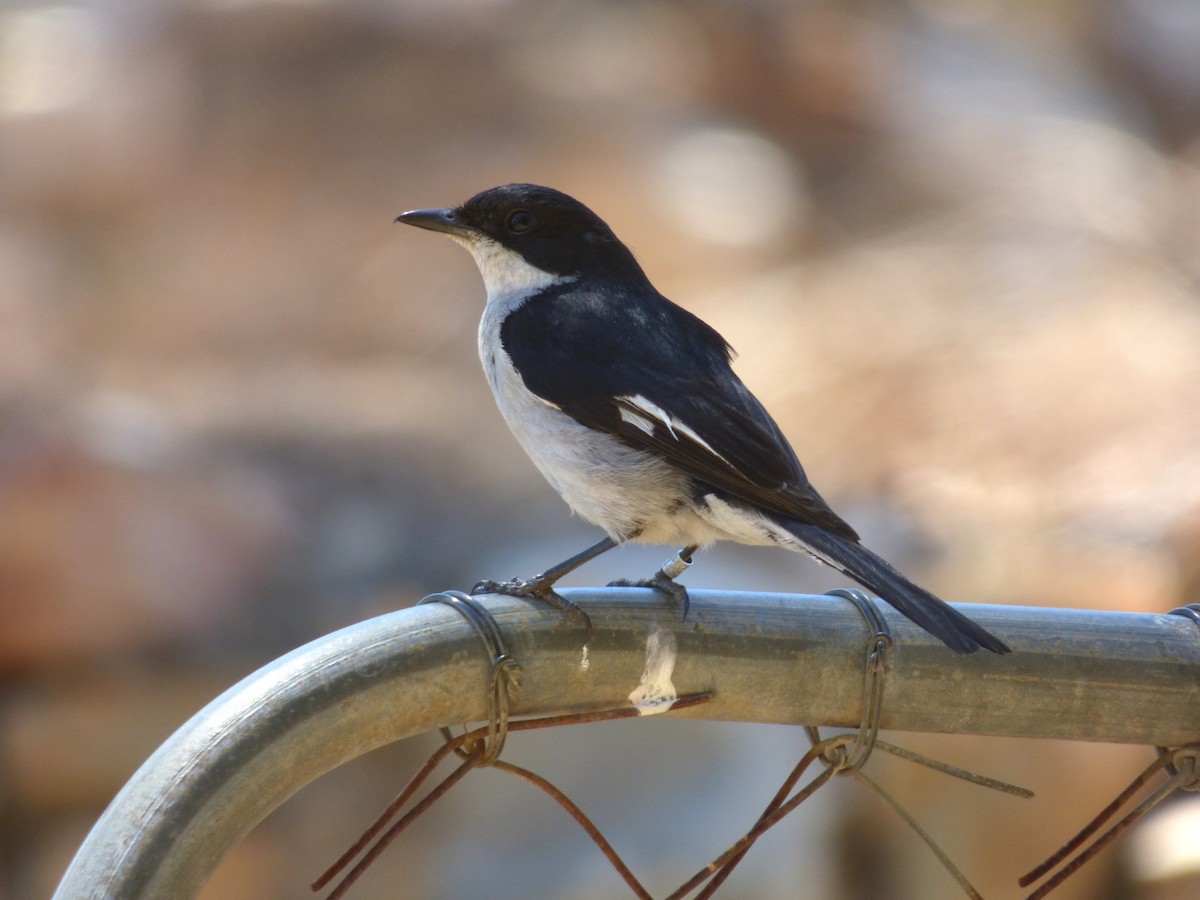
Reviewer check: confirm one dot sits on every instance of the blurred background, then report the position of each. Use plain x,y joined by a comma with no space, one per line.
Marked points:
956,241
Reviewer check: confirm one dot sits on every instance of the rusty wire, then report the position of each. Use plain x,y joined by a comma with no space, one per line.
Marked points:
474,758
1130,677
846,754
832,751
841,754
1180,762
480,748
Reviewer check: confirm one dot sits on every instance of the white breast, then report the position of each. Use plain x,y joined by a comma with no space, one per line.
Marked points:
625,491
607,483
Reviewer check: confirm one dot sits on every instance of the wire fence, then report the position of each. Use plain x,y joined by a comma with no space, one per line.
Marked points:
774,658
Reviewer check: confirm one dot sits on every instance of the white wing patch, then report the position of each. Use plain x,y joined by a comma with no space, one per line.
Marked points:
636,420
673,424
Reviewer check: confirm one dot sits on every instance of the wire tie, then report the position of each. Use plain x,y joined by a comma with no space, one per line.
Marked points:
503,675
1191,611
874,670
1184,764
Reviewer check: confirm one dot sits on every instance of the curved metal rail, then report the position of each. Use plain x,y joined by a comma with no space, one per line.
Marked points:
778,658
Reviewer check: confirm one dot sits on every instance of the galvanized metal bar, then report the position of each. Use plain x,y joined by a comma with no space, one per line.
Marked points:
1077,674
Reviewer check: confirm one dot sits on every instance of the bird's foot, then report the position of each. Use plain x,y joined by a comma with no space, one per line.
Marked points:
540,588
664,580
518,587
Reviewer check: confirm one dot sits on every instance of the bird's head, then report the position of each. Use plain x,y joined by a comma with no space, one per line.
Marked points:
528,233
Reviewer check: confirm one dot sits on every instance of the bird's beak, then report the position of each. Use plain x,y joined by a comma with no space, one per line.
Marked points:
442,220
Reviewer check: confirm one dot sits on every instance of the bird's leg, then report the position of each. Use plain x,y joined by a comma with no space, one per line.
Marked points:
539,585
664,579
542,586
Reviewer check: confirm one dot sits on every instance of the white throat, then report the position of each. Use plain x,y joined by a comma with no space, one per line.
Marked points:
509,279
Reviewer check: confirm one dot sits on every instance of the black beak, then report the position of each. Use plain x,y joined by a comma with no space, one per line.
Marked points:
435,220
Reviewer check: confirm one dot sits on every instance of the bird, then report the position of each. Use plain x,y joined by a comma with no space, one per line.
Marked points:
629,406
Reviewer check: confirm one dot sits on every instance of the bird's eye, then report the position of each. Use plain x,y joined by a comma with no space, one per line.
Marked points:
519,221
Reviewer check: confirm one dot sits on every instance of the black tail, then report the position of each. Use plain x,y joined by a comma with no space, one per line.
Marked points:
937,617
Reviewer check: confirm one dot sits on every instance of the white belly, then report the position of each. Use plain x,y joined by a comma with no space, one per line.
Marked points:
609,484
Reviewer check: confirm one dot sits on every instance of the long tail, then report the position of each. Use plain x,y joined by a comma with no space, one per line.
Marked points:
937,617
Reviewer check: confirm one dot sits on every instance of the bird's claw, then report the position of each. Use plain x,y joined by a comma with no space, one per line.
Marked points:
517,587
662,582
540,589
664,579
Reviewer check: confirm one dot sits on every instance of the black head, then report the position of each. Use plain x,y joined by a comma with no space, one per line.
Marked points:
550,230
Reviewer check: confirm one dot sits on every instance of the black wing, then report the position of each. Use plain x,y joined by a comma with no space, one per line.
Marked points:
629,362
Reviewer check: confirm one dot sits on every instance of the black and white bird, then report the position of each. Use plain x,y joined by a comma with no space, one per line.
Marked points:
628,405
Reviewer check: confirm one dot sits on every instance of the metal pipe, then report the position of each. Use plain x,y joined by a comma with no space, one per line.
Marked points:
1076,674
